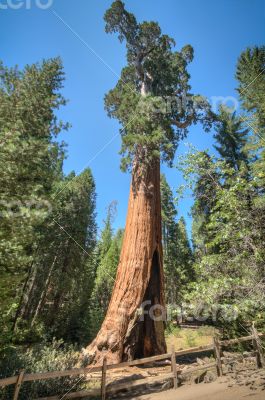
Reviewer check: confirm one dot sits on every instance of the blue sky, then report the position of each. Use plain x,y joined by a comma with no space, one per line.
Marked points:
218,30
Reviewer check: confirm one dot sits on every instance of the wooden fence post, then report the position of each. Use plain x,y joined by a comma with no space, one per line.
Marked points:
217,354
174,367
260,361
18,384
103,381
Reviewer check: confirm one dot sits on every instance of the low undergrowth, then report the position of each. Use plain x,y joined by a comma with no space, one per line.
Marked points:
183,338
55,356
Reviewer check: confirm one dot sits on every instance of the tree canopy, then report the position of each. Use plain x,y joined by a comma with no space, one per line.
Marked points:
152,99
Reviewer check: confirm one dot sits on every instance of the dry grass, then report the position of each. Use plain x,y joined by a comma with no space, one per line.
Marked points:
185,338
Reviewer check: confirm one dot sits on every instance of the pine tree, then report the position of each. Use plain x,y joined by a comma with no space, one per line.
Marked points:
68,293
231,138
184,256
30,164
205,186
58,296
104,281
178,257
107,232
250,74
169,237
104,272
168,211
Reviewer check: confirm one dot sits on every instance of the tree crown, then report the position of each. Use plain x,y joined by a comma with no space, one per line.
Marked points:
152,98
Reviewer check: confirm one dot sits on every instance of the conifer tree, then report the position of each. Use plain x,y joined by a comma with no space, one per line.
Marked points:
251,78
169,238
250,74
155,73
178,256
205,186
104,281
30,164
231,138
61,273
184,256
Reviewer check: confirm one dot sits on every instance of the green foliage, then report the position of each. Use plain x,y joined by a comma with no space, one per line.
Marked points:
55,356
29,161
231,262
228,212
47,225
65,307
30,164
251,79
108,259
178,258
57,296
152,99
106,271
231,138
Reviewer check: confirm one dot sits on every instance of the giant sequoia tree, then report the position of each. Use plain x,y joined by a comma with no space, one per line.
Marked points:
153,103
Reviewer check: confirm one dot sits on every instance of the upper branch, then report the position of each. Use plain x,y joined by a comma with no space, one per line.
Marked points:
185,124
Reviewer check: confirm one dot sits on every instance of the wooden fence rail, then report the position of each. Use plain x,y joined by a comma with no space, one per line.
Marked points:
175,374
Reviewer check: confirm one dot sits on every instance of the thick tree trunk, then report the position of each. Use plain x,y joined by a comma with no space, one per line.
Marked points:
126,334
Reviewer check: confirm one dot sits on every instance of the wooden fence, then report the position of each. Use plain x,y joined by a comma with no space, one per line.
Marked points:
175,373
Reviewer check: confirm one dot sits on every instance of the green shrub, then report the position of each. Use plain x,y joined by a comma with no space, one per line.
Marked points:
55,356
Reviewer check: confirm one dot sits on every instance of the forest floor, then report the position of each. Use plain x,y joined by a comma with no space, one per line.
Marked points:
241,380
217,390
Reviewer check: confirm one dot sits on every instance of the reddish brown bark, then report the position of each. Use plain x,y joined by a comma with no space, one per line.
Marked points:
124,334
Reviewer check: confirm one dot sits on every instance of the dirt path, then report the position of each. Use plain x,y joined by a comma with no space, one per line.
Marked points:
210,391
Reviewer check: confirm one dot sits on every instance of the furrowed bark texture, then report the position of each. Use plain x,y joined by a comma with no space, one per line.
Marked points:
124,334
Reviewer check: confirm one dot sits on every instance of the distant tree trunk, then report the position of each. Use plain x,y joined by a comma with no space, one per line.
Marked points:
43,293
60,289
25,295
124,334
